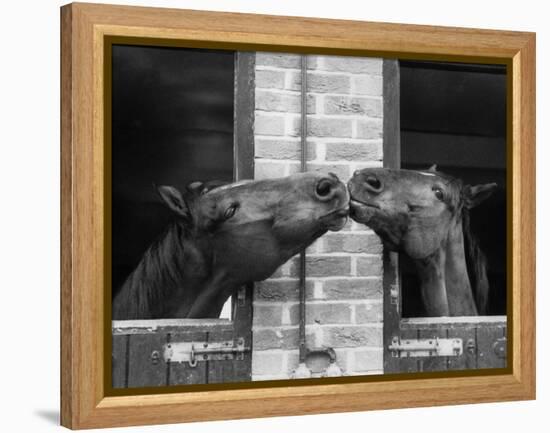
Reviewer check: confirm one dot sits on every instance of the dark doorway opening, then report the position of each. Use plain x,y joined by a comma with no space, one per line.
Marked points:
454,115
172,124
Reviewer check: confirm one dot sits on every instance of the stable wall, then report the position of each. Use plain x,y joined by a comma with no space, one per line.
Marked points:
344,308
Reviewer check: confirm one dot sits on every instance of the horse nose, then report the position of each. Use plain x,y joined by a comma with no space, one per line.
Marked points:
372,183
328,187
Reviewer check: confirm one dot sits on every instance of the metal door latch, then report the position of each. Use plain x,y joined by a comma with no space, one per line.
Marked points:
431,347
193,352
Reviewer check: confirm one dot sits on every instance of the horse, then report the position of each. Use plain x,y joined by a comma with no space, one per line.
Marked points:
425,215
225,236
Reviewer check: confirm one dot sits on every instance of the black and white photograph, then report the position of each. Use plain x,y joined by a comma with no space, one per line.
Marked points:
282,216
275,216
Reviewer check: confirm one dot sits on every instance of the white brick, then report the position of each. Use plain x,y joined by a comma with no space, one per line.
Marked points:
267,79
354,151
267,363
290,148
368,360
328,127
317,82
270,169
355,65
281,60
369,128
341,170
353,106
266,124
371,85
267,100
293,126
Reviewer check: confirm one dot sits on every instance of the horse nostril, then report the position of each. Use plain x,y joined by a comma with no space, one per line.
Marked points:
331,174
324,187
373,183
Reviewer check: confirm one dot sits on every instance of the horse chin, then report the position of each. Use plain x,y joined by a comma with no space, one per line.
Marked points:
338,224
362,212
336,219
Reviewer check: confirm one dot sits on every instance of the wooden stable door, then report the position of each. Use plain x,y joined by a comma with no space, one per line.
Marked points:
184,351
445,344
437,343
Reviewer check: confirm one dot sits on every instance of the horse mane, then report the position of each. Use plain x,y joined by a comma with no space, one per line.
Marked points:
476,265
160,274
157,277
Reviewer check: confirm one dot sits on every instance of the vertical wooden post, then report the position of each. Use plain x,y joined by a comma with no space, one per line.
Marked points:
243,142
243,116
392,159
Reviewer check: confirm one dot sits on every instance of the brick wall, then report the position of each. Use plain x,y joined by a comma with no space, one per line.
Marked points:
344,269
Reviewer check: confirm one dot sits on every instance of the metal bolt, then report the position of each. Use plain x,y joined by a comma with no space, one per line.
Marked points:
155,357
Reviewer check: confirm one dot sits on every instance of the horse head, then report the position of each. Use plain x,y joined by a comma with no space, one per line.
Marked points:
225,236
410,210
424,214
251,227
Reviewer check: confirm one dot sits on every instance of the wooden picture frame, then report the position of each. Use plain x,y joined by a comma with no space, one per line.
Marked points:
85,402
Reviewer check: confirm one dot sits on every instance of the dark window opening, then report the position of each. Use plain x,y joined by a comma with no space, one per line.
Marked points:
172,124
454,115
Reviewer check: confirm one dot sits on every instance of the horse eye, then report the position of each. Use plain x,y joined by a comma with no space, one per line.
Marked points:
323,188
230,211
438,193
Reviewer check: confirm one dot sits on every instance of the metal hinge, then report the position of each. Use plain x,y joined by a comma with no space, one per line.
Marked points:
500,346
193,352
394,294
241,296
430,347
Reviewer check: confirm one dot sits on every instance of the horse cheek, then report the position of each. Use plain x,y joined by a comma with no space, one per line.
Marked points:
419,244
249,255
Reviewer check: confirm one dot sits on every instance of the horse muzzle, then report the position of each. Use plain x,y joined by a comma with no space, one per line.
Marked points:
336,219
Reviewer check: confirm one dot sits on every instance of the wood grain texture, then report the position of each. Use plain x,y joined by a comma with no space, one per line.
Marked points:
67,394
524,167
84,26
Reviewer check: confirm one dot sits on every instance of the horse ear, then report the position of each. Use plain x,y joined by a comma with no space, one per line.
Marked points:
432,169
174,200
474,195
